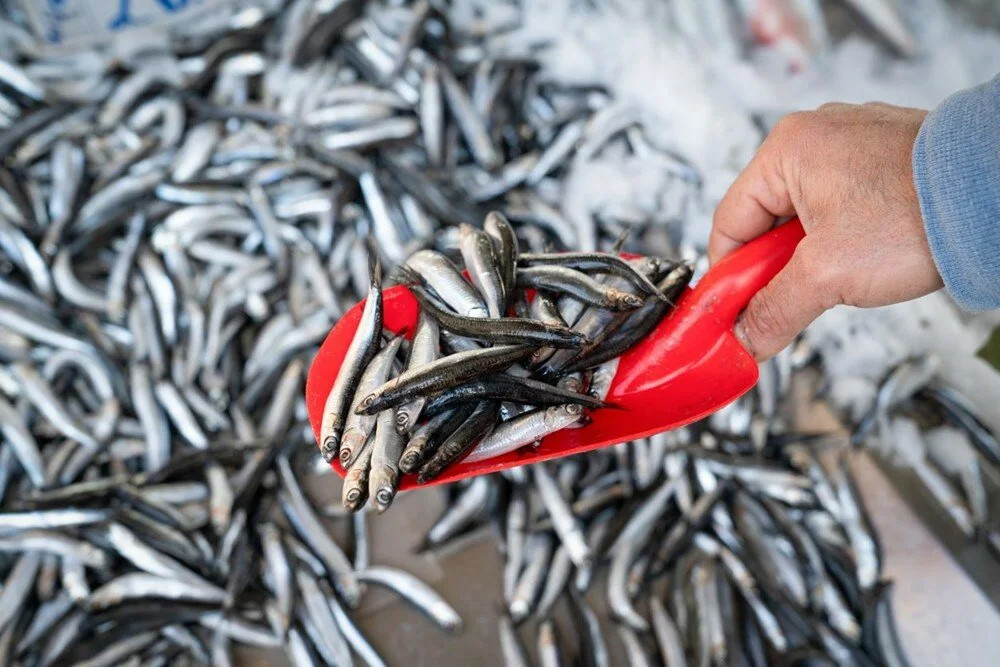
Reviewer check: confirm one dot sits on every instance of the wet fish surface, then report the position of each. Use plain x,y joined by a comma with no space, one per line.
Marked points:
180,227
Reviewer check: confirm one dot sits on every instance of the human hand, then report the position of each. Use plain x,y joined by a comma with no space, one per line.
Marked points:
846,171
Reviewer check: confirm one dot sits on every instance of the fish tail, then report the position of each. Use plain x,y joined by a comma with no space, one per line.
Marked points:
619,243
374,264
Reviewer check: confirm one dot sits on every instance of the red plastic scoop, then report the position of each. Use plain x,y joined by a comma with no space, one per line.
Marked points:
688,367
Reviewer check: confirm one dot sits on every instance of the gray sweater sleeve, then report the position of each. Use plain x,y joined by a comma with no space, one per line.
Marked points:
956,169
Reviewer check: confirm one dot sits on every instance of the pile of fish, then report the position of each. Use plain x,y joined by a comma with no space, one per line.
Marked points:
179,229
479,402
717,553
920,423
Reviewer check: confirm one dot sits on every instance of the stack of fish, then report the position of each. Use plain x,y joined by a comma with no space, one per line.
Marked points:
715,555
180,228
480,402
921,423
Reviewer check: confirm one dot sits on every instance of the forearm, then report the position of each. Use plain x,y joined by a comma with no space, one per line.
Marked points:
956,169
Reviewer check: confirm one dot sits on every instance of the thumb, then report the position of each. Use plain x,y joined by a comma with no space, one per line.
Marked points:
779,312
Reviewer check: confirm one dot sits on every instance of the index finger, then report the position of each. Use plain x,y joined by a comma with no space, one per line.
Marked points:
755,200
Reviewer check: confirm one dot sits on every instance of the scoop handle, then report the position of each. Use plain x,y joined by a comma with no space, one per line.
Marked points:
729,285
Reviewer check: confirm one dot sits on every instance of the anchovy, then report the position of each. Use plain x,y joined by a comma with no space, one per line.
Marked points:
477,426
426,438
515,534
416,592
667,636
346,115
633,647
594,262
532,577
55,543
439,374
22,443
867,553
177,409
579,285
371,134
300,513
515,433
17,586
471,124
384,228
360,353
355,491
357,427
566,525
501,330
149,559
319,611
38,391
54,518
15,77
505,247
470,503
387,448
431,114
483,266
510,645
438,273
353,635
137,585
507,388
424,349
626,331
560,570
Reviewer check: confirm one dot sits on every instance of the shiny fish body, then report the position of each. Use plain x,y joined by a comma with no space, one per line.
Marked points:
479,257
427,436
507,330
386,451
55,543
567,527
424,349
359,354
417,593
133,586
477,425
22,443
183,226
357,427
355,491
524,430
508,388
579,285
441,275
299,512
443,372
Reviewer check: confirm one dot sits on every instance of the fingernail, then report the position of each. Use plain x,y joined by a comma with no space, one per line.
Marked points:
740,329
